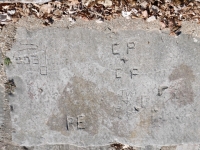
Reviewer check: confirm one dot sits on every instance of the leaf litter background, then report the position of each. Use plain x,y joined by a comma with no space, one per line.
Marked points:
170,13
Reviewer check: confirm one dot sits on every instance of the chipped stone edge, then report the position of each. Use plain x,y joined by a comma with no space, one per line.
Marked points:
6,39
194,146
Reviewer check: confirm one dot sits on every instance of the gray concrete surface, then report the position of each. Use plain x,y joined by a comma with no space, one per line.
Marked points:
77,86
83,88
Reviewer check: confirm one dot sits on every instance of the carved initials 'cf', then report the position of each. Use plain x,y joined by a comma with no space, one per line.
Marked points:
133,72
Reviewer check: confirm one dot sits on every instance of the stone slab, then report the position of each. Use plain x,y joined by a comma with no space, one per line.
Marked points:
89,87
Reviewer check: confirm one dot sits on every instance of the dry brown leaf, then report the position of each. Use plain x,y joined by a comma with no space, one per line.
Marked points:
26,11
57,4
73,2
46,8
15,19
134,17
106,3
162,25
85,18
108,17
131,3
56,18
19,12
58,13
6,7
36,5
196,11
144,4
145,14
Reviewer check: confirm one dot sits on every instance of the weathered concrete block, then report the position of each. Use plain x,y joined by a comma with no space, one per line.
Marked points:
88,87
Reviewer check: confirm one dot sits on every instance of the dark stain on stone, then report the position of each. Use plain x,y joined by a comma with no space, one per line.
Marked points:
181,91
82,97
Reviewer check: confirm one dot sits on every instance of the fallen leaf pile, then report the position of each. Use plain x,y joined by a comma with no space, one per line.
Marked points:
169,12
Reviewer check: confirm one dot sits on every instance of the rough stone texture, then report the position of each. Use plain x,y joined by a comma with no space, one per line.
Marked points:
89,87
